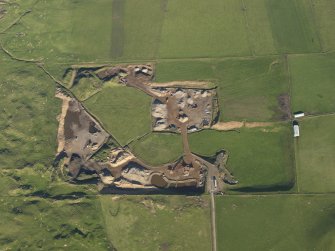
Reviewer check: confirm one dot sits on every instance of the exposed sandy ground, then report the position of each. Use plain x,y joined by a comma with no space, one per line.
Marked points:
183,84
226,126
61,118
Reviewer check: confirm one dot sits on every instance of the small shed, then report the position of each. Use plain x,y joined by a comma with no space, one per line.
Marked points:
299,114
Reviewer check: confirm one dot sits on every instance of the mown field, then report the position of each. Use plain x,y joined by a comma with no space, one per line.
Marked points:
248,89
123,111
315,155
276,222
261,159
157,222
313,83
57,31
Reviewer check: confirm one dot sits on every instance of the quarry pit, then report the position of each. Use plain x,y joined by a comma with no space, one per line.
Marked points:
177,107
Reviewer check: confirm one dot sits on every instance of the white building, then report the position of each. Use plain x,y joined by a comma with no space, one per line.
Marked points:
296,131
299,114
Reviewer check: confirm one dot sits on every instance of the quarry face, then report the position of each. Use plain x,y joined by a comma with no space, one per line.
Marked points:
197,108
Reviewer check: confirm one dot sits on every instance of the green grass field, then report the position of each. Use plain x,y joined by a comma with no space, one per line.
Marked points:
167,29
209,29
158,148
61,30
42,224
157,222
28,116
315,155
248,89
86,87
313,83
293,26
255,51
325,18
142,26
258,158
278,222
123,111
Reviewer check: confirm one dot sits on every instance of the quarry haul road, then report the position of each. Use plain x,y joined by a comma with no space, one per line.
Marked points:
214,247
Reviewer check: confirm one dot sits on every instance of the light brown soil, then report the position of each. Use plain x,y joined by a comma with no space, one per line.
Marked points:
258,124
183,84
227,126
61,118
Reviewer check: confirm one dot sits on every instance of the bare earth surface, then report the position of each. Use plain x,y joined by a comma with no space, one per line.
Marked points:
227,126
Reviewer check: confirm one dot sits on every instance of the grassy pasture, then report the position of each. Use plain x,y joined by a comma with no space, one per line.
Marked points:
158,148
259,158
293,26
325,18
315,155
61,30
259,27
279,222
142,23
313,83
157,222
124,111
34,224
209,29
28,117
248,88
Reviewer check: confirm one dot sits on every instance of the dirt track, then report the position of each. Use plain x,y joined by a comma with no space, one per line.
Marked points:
61,118
227,126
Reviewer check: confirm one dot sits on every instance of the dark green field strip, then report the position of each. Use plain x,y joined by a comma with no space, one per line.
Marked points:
117,41
260,34
315,155
292,26
259,158
277,222
313,85
142,25
123,111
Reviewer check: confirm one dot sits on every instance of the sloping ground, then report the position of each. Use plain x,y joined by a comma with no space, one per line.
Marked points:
28,116
123,111
276,222
35,224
